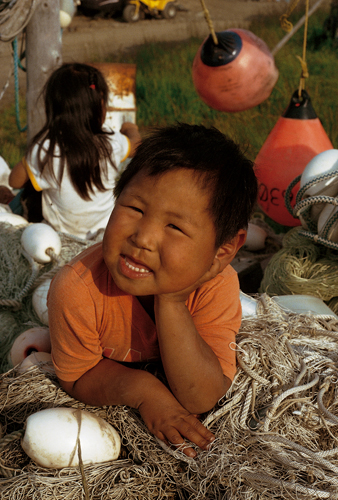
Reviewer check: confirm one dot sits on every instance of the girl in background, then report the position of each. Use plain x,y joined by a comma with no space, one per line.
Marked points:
73,161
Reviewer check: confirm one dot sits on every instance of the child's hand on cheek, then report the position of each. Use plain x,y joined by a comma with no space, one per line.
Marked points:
182,295
170,422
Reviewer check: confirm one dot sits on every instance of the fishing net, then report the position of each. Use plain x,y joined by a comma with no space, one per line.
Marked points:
276,429
303,267
18,281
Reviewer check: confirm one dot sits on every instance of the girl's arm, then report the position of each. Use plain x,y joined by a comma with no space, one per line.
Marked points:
131,131
18,176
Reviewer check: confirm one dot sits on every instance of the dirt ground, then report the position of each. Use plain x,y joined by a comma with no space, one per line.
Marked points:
93,39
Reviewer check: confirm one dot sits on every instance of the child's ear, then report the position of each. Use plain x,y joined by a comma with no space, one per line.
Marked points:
226,252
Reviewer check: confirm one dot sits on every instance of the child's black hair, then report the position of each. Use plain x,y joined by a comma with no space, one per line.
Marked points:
221,167
75,98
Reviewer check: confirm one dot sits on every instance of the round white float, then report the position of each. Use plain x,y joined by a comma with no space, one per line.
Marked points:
37,238
13,219
42,359
304,304
33,340
39,301
249,305
328,212
255,239
323,163
67,11
50,438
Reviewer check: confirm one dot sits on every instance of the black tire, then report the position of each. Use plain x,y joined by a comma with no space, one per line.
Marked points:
129,14
169,11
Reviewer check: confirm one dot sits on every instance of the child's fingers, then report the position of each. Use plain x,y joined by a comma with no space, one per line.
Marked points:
194,431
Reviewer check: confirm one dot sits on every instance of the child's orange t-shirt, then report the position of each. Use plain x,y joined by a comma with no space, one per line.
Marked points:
91,318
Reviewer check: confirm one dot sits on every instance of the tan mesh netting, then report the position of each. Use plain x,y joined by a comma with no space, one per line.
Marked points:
276,430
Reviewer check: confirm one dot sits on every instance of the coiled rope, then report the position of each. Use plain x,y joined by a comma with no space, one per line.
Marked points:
14,17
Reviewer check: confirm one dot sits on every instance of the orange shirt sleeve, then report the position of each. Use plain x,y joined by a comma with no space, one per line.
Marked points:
73,317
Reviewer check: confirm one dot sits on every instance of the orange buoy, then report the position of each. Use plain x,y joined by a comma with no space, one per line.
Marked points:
296,138
236,74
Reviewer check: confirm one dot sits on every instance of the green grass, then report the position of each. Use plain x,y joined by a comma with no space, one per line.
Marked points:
12,142
165,91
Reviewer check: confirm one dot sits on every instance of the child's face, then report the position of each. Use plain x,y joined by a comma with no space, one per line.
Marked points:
160,237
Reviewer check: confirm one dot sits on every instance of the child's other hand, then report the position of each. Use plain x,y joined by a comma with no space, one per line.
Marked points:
128,126
131,130
171,423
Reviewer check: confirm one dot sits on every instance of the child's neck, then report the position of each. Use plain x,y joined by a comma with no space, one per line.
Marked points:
147,302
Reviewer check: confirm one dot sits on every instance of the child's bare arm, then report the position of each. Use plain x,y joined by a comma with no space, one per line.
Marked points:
192,369
18,176
110,383
131,131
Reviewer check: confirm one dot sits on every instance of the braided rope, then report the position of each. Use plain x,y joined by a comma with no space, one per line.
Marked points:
271,481
322,408
329,224
250,372
283,396
319,239
287,195
314,181
16,85
276,438
313,200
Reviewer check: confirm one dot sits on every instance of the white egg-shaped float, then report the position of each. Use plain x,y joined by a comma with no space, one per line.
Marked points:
4,172
13,219
323,163
39,301
249,305
255,238
33,340
327,225
39,237
5,209
304,304
51,438
41,359
67,11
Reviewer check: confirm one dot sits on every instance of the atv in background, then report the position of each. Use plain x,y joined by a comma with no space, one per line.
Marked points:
131,10
137,9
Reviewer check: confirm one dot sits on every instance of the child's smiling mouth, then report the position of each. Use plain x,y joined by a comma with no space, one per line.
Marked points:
135,267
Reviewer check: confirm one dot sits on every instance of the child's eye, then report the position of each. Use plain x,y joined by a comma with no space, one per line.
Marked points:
136,209
175,227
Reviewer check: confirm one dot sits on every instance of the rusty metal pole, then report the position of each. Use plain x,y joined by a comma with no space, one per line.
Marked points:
43,54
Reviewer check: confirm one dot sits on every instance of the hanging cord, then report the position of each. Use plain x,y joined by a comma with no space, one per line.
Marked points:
284,21
16,85
305,72
288,26
209,22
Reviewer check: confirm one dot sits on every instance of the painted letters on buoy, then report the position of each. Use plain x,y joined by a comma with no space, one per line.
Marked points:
236,74
296,138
